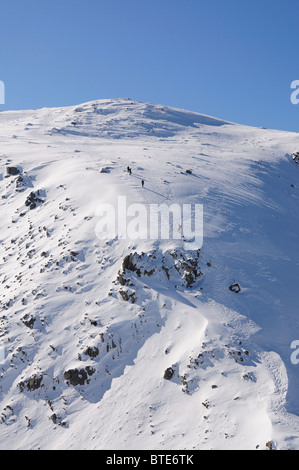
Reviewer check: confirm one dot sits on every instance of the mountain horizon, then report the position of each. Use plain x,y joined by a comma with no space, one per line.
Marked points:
118,329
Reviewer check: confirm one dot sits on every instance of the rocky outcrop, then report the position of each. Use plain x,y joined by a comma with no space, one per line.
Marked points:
168,373
92,352
78,376
28,321
178,266
126,295
33,200
33,383
128,263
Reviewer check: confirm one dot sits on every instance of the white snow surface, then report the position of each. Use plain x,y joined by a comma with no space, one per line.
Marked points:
234,385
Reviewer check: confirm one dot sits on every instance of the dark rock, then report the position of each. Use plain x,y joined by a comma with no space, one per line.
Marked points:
168,374
32,200
28,322
13,170
22,182
235,287
191,274
74,253
34,382
296,157
124,295
189,278
75,376
151,272
128,263
78,377
89,370
166,272
92,352
269,444
127,296
122,280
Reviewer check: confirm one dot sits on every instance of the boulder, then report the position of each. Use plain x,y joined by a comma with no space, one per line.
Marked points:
78,376
168,374
13,170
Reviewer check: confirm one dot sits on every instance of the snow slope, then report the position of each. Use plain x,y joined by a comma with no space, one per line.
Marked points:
87,340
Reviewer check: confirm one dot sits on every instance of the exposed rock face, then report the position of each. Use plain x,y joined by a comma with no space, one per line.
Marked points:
128,263
78,376
33,383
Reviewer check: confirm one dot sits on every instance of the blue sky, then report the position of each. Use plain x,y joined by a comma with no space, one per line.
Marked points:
232,59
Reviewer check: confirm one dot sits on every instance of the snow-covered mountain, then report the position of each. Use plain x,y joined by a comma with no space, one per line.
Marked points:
142,343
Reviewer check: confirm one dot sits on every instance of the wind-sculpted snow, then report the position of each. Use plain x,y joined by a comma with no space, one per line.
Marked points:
141,343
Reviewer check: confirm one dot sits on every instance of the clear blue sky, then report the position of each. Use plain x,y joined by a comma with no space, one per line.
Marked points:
232,59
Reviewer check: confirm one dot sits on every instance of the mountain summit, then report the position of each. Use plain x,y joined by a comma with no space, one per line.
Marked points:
128,339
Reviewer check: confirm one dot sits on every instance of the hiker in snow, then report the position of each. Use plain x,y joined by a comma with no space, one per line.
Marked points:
130,171
142,183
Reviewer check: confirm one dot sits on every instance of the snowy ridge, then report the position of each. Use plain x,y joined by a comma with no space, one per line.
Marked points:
140,344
